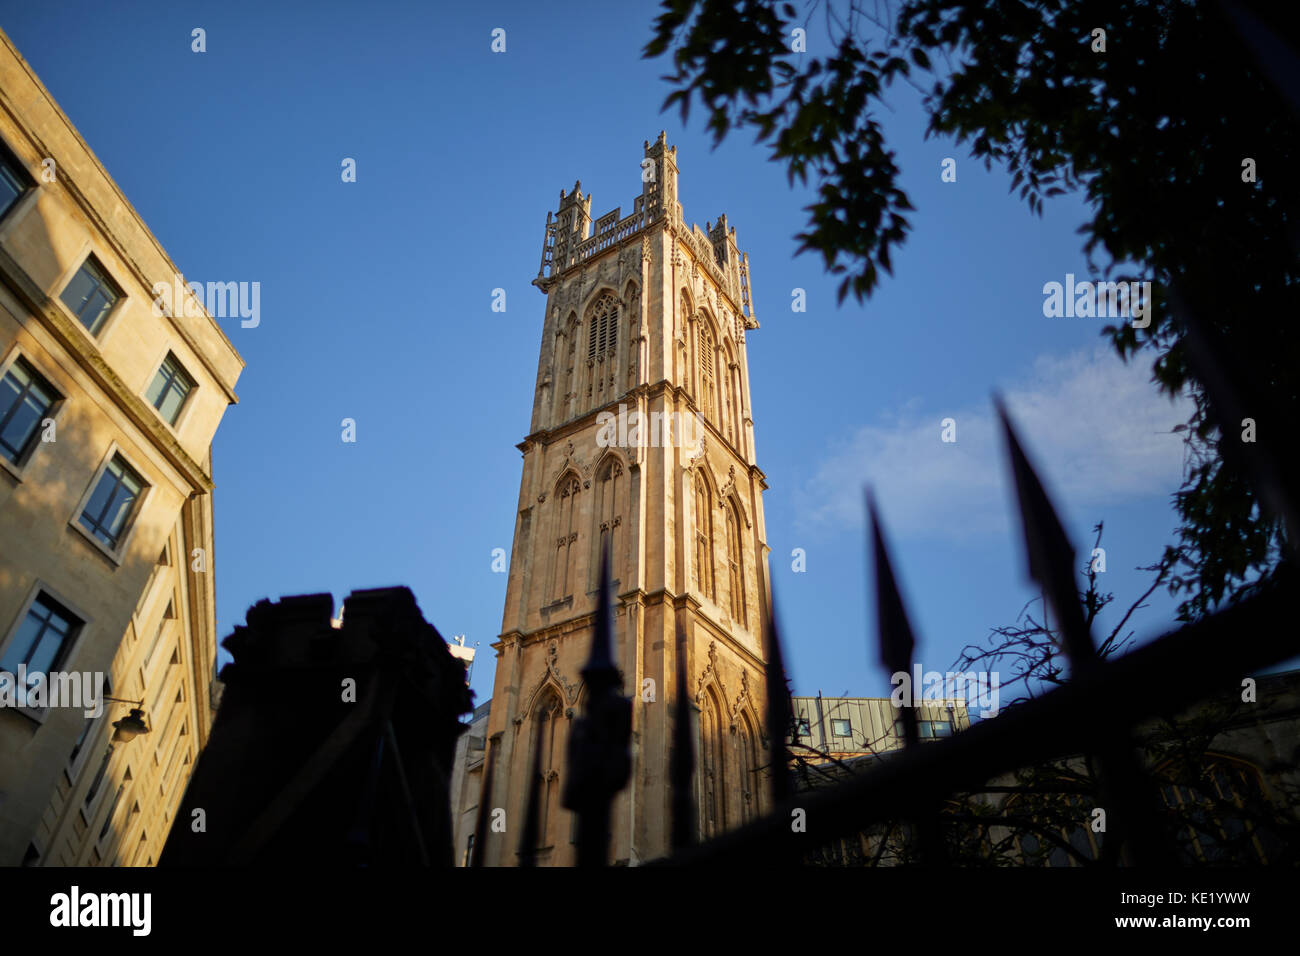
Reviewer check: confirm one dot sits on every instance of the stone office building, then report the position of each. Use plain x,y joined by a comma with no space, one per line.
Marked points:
107,414
645,323
845,728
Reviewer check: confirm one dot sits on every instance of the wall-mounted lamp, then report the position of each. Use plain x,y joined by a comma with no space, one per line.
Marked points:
133,724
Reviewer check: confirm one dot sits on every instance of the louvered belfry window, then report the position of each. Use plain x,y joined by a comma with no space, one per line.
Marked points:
706,370
602,334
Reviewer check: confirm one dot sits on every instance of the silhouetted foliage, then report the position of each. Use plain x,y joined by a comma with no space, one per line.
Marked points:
1154,131
1214,806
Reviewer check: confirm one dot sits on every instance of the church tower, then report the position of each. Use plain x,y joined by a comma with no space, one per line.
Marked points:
642,435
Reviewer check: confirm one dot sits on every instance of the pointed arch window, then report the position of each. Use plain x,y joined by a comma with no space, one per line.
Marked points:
568,354
738,435
713,769
746,764
735,566
611,492
730,379
724,381
703,537
548,743
706,369
602,342
633,297
566,523
1219,812
602,333
684,339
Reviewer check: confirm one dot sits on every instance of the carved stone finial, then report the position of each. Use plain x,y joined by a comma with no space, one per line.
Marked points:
553,672
742,696
710,674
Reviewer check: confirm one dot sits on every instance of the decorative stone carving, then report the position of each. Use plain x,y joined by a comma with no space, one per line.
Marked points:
679,272
571,459
741,699
730,485
728,490
710,674
553,673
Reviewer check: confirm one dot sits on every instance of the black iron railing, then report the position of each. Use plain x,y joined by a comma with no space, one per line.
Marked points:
1095,713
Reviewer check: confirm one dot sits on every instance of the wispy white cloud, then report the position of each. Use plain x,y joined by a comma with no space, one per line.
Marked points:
1096,429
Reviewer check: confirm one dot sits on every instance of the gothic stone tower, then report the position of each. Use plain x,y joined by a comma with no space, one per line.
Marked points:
645,320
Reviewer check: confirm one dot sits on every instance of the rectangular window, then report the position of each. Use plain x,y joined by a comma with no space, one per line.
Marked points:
932,729
99,777
148,660
109,510
81,738
801,727
13,181
171,386
87,728
43,639
91,295
112,808
841,728
178,752
25,400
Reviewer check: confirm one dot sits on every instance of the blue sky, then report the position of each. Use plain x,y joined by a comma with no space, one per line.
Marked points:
376,306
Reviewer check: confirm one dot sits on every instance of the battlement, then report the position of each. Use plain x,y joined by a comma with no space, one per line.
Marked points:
572,237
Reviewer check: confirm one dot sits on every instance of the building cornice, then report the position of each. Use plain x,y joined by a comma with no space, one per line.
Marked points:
109,235
650,390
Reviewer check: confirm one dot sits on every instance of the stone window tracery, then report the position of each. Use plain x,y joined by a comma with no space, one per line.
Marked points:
611,491
602,333
706,369
566,523
703,537
735,566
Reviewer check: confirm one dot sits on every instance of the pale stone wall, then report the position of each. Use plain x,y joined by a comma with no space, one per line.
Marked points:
669,282
467,782
123,595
